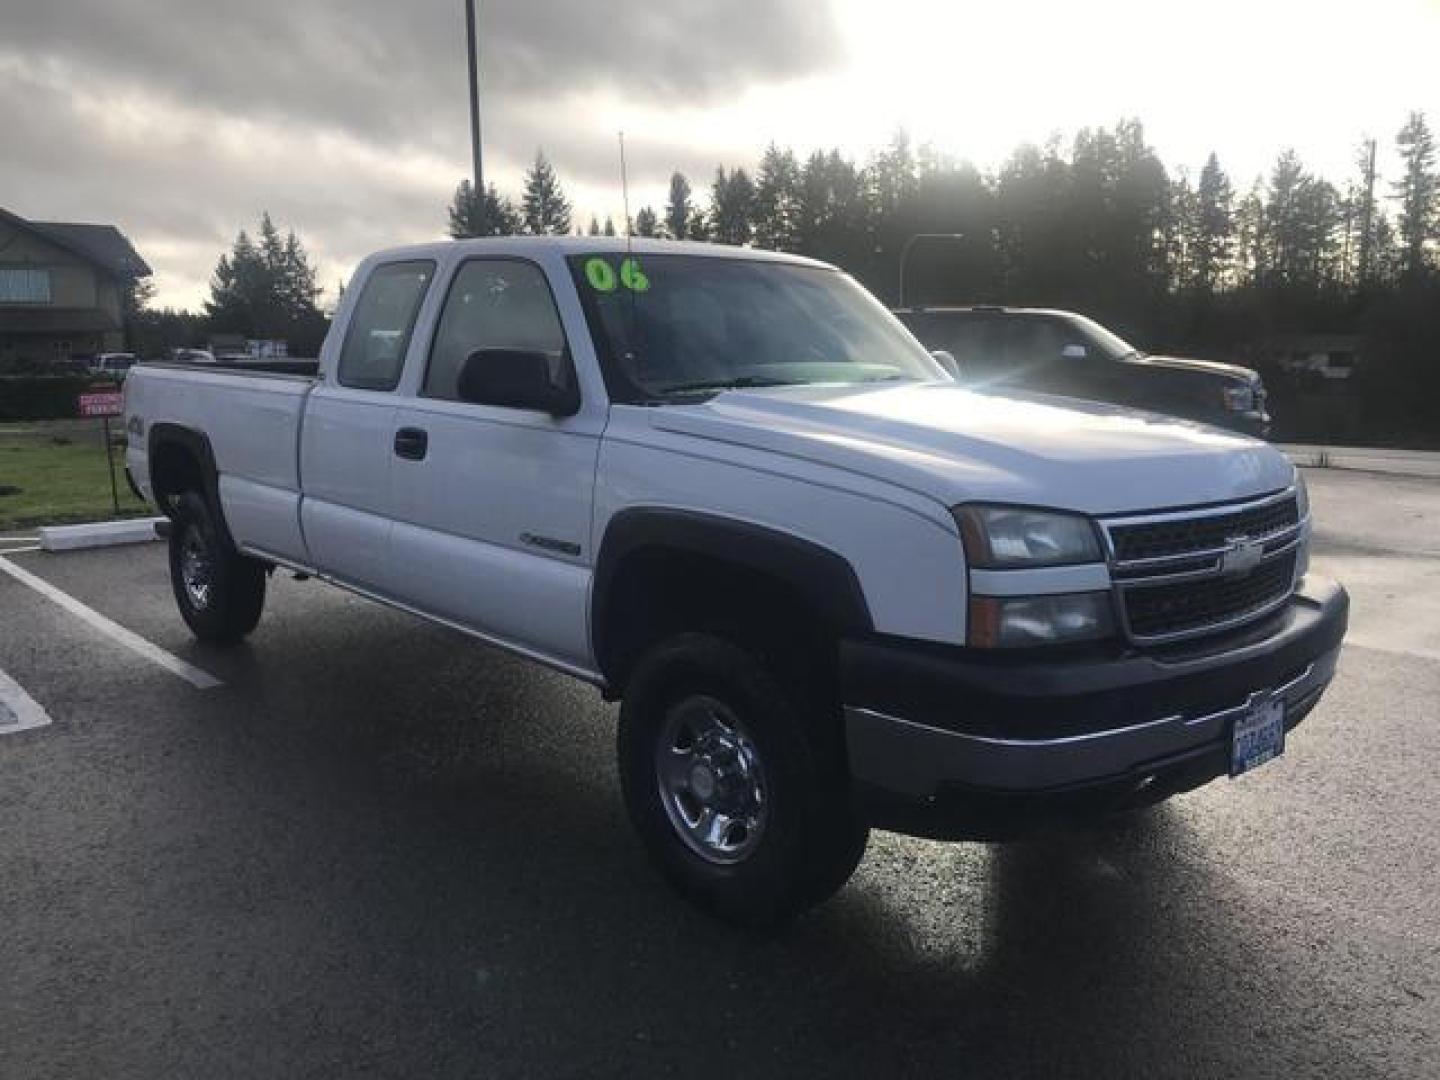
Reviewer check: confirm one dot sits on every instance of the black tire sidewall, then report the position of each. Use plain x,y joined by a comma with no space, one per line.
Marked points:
779,878
238,585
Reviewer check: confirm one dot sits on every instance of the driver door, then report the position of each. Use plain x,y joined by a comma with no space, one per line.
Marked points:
492,504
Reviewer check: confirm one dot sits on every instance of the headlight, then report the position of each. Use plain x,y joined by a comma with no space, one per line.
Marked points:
1006,622
1005,537
1239,398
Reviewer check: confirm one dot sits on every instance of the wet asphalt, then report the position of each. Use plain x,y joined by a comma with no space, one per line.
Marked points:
383,850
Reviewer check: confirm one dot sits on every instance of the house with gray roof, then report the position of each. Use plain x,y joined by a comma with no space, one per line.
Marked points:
62,289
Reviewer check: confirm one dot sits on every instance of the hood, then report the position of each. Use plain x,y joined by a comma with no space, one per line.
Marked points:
1207,367
955,444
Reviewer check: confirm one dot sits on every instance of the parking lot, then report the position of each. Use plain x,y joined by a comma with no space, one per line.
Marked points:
377,848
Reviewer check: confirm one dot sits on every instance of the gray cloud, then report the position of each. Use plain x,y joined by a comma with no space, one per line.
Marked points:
388,68
179,120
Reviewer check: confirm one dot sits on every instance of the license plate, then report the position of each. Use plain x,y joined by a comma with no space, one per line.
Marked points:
1259,736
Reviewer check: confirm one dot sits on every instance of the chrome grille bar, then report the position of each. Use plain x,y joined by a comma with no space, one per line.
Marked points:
1162,580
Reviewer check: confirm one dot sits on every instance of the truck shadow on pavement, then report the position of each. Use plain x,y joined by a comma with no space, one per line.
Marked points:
383,850
440,875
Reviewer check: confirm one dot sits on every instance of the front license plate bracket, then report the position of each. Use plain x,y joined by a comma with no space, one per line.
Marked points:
1258,736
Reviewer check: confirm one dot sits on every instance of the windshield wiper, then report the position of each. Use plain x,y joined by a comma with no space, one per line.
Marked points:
743,382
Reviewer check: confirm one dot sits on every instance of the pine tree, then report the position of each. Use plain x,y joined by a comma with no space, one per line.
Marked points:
1364,214
1418,193
469,217
647,223
546,211
609,225
678,211
1252,257
267,290
1282,219
777,201
594,229
1182,228
732,203
1214,227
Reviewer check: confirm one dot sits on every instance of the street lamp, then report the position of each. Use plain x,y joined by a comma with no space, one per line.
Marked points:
905,254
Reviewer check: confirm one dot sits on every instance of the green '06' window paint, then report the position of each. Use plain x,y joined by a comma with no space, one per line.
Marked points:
632,277
600,274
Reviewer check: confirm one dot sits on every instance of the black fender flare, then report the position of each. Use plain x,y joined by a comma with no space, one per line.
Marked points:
197,444
824,578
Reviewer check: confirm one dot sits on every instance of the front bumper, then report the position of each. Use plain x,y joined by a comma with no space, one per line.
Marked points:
951,742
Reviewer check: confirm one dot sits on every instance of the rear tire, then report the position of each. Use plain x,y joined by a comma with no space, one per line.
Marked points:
220,592
739,796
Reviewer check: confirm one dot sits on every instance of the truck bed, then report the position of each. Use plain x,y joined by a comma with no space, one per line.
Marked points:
295,365
250,418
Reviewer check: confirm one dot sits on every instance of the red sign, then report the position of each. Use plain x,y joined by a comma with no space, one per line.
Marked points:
106,404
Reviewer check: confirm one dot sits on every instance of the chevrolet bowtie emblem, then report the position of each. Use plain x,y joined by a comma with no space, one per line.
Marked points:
1241,556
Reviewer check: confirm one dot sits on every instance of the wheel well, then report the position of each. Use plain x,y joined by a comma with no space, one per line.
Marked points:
174,468
659,591
180,461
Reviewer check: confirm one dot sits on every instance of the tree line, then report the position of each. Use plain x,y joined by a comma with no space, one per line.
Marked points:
1101,215
1177,262
264,287
1098,223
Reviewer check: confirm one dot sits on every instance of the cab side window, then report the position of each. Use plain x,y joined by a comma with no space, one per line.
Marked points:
1034,344
380,327
974,341
494,304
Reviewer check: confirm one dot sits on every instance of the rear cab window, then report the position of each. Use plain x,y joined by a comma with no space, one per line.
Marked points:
381,325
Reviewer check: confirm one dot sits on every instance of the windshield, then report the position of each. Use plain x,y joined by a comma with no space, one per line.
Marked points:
668,326
1112,345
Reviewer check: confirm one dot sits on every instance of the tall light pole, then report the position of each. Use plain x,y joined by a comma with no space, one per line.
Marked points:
905,254
479,175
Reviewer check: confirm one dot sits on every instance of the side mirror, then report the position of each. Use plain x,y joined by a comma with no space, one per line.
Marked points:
515,379
1074,352
948,362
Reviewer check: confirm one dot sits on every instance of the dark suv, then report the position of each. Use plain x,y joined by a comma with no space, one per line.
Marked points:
1060,352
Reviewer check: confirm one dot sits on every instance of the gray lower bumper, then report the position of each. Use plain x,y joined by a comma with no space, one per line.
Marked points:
915,760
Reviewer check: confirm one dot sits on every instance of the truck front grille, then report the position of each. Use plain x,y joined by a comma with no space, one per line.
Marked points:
1181,575
1159,539
1165,610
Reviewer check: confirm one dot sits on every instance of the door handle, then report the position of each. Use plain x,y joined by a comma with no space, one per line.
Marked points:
412,443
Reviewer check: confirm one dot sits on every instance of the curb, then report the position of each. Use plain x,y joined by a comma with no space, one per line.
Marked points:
1366,459
98,534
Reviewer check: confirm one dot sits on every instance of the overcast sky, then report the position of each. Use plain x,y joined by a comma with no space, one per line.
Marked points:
180,120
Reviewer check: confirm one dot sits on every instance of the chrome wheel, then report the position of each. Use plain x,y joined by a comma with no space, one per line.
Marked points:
712,780
197,567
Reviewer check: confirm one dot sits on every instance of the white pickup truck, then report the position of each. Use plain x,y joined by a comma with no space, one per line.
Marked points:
832,588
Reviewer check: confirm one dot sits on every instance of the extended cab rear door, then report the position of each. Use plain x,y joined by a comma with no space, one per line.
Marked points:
347,441
493,504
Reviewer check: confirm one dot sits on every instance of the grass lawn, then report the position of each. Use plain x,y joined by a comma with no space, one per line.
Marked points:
58,483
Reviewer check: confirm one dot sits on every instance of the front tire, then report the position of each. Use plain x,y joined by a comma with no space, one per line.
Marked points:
739,796
220,592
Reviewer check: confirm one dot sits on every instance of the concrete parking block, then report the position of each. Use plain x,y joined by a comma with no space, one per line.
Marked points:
98,534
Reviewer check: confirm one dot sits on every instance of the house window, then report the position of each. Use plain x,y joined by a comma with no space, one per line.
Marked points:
24,285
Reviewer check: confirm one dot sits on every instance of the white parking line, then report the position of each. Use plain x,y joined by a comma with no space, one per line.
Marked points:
202,680
20,550
18,710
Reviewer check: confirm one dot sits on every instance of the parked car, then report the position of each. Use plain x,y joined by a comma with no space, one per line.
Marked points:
193,356
831,588
117,365
1060,352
